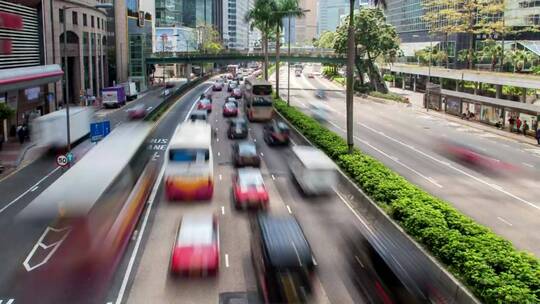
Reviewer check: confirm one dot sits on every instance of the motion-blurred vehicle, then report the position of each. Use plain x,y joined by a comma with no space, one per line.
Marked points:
130,89
198,115
231,86
2,168
232,99
50,130
319,111
204,104
258,101
238,129
189,173
282,259
298,73
245,154
473,158
217,86
196,248
207,95
113,97
237,93
230,76
249,190
169,85
313,170
166,93
230,110
137,111
276,133
311,75
321,94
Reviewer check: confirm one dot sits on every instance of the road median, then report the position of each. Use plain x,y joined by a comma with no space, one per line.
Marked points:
493,269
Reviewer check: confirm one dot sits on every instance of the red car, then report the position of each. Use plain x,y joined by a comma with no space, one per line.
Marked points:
218,86
230,110
137,112
249,189
204,104
236,93
196,249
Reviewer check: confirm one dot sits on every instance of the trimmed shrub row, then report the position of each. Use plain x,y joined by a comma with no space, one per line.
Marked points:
493,269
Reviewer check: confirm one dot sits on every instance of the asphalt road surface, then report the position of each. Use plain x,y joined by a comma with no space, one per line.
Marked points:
408,141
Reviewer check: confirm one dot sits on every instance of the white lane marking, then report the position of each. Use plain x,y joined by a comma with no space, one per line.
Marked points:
218,154
220,177
457,169
34,189
254,140
273,177
504,221
29,189
217,139
226,260
262,154
528,165
40,244
151,199
223,210
292,141
495,186
139,238
335,125
9,301
352,210
289,209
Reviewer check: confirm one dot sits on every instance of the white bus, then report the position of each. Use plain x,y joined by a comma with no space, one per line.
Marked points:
233,69
258,99
189,173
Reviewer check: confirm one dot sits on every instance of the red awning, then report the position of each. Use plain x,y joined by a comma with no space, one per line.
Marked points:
22,78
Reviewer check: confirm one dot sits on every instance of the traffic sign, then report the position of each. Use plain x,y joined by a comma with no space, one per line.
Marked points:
98,130
62,160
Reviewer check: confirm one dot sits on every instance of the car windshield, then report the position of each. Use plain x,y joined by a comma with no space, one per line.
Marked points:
262,101
247,149
230,106
205,101
189,155
250,178
196,232
262,89
282,127
233,85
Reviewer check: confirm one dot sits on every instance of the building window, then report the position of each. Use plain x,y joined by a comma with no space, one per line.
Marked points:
92,21
61,15
84,20
98,25
74,18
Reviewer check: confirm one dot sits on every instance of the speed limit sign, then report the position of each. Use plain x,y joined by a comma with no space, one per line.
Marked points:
62,160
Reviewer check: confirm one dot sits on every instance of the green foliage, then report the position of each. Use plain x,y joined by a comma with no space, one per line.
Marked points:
388,77
519,58
6,111
211,41
436,55
493,269
389,95
326,40
492,51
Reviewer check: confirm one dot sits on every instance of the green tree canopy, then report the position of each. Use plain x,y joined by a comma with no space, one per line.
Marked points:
326,40
211,42
5,111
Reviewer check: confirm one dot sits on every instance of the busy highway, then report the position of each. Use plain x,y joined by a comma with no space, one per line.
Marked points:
486,176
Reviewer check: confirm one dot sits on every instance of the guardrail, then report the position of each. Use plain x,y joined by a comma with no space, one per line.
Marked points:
421,273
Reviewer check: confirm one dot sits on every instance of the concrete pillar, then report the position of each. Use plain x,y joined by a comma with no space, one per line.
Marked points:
476,88
524,95
403,76
457,85
414,83
498,91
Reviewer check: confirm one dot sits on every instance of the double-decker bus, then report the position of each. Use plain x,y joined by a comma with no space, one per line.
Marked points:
258,99
233,69
82,223
189,173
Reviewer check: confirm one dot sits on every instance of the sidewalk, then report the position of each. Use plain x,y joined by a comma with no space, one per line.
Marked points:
13,154
417,101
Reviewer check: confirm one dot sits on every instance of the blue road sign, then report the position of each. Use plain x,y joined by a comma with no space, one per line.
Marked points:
98,130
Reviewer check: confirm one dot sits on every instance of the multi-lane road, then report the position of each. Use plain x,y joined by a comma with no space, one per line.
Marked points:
408,141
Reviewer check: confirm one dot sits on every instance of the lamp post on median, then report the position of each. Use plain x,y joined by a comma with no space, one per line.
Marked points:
66,74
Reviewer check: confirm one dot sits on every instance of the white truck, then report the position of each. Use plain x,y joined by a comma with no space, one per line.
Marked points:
130,89
50,130
313,170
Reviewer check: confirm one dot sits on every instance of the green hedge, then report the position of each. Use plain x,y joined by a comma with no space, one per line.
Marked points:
390,95
492,268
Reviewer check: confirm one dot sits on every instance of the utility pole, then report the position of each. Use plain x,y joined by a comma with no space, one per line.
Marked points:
289,67
66,80
350,78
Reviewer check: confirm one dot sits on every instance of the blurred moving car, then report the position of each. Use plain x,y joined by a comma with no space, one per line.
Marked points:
311,75
321,94
230,110
205,104
313,170
238,129
283,260
218,85
249,190
232,99
231,86
166,92
319,111
245,154
196,248
237,93
276,133
197,115
137,111
169,85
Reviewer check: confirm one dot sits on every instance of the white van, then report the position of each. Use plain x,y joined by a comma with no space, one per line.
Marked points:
314,171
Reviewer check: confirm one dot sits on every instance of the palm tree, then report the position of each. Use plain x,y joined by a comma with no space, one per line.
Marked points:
491,52
283,8
260,17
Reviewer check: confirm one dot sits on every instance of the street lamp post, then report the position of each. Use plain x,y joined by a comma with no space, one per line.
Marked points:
66,72
350,78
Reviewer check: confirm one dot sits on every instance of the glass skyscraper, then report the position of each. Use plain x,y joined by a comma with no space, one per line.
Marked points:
190,13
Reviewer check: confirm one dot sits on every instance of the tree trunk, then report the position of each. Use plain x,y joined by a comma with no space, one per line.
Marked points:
470,53
265,43
278,42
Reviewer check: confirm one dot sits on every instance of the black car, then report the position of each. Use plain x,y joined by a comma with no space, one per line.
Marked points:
282,259
276,133
238,129
232,85
245,154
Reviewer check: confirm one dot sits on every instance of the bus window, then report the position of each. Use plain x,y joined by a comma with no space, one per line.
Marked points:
189,155
262,90
261,101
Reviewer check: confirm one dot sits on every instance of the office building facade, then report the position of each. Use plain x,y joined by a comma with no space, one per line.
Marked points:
329,13
235,28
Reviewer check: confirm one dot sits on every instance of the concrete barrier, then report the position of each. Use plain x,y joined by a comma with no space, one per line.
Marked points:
421,273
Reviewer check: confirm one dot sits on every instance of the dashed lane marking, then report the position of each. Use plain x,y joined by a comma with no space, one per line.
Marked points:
504,221
289,209
226,260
